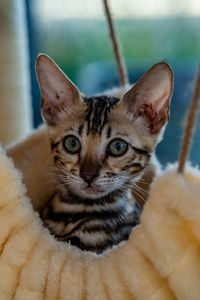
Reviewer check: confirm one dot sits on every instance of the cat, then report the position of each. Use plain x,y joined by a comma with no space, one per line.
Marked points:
102,146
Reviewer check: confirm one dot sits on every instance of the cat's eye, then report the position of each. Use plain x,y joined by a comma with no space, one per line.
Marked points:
71,144
117,147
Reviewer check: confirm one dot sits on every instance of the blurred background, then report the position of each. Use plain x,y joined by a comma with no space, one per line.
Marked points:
75,35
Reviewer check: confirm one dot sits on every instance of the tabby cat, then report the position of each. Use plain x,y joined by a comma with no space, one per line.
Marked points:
101,147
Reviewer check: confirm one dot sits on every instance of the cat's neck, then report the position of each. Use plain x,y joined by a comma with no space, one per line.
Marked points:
115,197
91,224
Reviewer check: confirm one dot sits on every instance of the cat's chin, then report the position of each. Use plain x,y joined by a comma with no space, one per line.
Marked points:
92,193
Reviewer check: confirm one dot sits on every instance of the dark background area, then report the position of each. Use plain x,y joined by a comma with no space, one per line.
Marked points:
82,48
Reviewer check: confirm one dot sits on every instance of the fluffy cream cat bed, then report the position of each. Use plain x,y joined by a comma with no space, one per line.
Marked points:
161,259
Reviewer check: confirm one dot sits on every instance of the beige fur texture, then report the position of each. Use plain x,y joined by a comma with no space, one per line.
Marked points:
159,261
33,157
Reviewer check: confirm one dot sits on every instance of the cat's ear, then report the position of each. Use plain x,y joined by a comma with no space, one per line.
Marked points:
149,99
58,93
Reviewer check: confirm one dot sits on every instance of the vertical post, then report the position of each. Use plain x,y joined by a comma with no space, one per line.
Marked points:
15,99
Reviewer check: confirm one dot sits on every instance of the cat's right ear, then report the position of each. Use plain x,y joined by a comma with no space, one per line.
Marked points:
58,93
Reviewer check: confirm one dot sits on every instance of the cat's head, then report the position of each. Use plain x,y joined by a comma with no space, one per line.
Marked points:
102,144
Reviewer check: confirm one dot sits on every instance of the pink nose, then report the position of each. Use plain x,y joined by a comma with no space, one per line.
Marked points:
88,177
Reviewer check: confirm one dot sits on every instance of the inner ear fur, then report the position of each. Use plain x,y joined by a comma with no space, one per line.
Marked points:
58,93
148,100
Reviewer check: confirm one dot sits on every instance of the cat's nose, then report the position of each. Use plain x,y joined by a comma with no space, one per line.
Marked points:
88,177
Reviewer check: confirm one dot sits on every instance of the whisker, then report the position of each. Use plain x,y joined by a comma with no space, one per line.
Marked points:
141,190
142,181
143,193
140,196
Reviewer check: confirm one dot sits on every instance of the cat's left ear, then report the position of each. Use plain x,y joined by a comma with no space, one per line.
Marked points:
58,93
149,99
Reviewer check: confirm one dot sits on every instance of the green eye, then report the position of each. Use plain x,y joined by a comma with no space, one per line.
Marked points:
71,144
117,147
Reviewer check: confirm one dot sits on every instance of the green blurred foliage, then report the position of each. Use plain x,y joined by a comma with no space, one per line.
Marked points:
76,42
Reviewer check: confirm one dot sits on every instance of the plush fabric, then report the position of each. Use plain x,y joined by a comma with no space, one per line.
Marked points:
33,157
161,259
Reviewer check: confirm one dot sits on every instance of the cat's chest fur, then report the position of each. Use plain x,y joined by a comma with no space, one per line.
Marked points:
91,225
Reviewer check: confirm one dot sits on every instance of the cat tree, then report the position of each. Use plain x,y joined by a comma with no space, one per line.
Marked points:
15,100
161,259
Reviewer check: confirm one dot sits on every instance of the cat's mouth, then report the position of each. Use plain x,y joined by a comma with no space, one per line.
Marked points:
93,191
90,190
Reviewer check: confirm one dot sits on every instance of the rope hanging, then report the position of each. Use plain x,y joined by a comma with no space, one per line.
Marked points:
190,125
122,71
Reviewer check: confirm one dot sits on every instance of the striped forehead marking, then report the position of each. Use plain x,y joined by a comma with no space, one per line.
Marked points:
97,112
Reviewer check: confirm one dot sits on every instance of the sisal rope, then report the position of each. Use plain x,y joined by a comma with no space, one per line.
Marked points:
190,125
122,72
